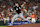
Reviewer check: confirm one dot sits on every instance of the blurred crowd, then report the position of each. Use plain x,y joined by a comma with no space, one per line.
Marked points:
7,7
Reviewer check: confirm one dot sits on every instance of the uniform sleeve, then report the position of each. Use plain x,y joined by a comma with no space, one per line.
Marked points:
20,6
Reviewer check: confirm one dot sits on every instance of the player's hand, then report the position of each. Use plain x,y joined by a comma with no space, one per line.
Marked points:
24,2
11,9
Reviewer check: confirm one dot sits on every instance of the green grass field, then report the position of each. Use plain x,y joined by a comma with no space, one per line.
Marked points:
3,26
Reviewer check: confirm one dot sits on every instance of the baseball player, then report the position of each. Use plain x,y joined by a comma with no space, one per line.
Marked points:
17,8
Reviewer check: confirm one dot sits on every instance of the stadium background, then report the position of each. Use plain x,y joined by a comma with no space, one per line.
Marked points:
30,3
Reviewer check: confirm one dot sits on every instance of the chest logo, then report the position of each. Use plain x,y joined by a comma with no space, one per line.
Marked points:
16,8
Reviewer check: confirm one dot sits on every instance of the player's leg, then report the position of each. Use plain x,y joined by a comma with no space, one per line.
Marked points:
21,15
33,20
15,16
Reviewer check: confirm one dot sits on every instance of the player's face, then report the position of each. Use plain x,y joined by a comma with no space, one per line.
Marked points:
16,5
